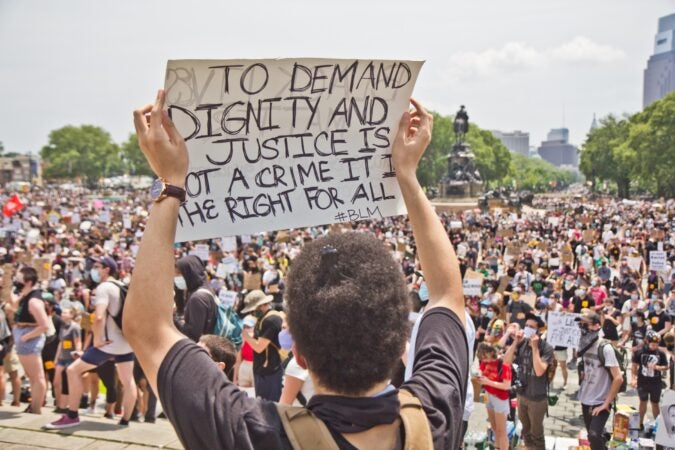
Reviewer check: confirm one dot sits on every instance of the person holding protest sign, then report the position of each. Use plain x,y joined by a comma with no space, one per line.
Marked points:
348,274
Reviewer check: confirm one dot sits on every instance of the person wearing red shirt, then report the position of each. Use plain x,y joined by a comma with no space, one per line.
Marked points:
496,380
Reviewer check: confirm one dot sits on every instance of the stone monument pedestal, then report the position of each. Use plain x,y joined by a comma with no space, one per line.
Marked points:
463,179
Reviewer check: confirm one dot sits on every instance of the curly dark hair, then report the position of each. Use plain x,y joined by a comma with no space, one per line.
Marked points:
348,311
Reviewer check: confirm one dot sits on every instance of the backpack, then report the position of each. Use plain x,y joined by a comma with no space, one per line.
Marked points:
117,318
306,431
620,357
228,324
283,353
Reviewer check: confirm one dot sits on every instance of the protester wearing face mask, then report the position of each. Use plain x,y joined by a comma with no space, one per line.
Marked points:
598,293
495,327
533,356
298,386
630,309
581,300
648,363
200,300
659,320
267,364
600,384
611,319
517,309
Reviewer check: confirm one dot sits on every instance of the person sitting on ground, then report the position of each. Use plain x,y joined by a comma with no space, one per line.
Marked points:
342,290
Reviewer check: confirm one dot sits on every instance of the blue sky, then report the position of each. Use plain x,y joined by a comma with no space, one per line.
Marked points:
517,64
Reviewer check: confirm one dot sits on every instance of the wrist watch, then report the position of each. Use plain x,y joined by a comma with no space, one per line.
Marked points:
160,190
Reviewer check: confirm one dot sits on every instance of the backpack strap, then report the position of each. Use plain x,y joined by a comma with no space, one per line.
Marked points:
304,430
415,423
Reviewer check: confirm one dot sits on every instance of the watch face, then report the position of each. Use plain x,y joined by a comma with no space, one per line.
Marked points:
156,189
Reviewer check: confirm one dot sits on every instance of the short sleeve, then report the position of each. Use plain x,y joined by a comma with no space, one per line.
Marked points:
190,385
507,373
440,373
270,328
294,370
610,356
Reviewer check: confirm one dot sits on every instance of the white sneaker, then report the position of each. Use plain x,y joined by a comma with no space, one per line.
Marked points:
90,411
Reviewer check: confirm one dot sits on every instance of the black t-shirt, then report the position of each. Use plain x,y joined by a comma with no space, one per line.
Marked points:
518,310
658,321
609,328
638,333
535,386
582,302
191,386
643,357
268,361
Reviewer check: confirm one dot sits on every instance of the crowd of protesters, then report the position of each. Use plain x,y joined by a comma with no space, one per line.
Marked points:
68,258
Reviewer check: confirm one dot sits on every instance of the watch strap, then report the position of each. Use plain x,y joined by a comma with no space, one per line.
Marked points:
174,191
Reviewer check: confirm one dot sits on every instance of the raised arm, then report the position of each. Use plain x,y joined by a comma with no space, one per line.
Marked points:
148,323
439,262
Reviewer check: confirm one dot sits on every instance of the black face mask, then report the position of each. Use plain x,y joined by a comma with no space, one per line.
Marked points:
19,285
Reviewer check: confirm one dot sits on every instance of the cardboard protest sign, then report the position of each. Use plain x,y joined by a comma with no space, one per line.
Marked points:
472,283
43,266
7,282
567,257
589,235
657,260
503,284
287,143
530,298
563,330
252,280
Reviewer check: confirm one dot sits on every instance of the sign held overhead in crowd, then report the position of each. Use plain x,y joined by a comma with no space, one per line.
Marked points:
287,143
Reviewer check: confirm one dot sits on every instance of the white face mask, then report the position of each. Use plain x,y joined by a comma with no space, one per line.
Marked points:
179,281
528,332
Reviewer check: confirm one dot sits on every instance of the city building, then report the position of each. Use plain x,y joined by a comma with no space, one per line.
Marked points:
516,141
20,169
659,76
557,150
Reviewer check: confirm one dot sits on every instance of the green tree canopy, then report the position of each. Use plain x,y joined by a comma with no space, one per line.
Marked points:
492,157
537,175
87,151
135,161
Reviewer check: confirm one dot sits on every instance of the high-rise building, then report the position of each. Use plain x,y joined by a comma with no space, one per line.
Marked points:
557,150
516,141
659,76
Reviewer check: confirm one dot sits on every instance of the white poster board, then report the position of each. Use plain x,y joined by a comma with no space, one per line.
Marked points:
634,262
563,330
472,286
657,260
287,143
665,434
228,244
201,251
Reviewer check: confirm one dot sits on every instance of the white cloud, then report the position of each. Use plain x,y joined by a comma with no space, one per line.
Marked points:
582,49
516,57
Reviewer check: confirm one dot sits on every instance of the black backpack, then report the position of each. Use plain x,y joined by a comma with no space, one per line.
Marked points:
123,296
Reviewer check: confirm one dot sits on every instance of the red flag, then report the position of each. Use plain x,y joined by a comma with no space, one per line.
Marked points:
12,206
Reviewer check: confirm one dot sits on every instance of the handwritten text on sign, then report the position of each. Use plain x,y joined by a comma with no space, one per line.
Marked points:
563,330
287,143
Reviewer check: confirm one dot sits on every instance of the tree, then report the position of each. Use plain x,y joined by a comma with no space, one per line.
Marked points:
135,162
434,163
87,151
652,139
535,174
493,159
2,148
604,155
